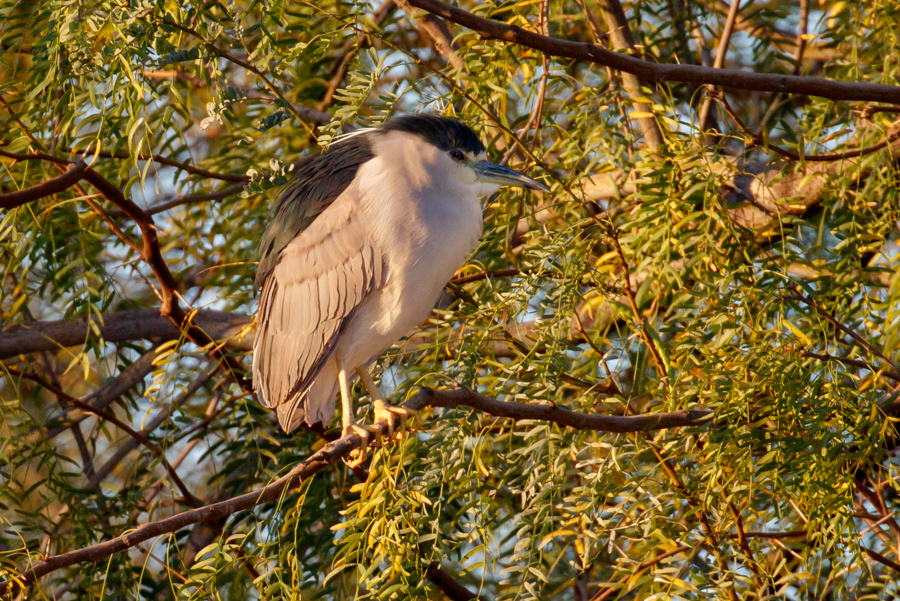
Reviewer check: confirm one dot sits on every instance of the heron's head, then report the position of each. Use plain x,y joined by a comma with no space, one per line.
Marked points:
461,153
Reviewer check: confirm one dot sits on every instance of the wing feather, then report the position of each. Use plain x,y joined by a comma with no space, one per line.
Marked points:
319,280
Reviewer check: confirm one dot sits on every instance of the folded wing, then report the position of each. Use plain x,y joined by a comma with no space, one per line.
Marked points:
319,280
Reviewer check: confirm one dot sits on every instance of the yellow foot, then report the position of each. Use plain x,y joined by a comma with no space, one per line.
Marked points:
357,456
388,413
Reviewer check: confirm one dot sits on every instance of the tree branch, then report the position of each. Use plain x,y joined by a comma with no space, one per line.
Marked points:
103,397
64,181
436,30
162,160
120,326
622,40
732,78
187,199
450,587
707,112
132,443
110,417
556,414
347,52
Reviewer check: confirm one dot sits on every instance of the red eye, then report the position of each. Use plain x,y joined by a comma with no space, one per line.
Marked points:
457,155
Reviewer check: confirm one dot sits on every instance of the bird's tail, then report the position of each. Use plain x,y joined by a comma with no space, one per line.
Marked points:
314,404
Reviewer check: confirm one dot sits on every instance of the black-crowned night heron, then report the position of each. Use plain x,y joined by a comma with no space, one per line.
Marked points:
360,246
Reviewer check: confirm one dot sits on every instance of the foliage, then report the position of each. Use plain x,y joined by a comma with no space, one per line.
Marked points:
730,272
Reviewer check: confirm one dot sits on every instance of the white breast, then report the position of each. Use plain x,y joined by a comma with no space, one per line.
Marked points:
424,216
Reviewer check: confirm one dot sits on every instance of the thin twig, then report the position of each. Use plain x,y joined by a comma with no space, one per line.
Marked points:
609,590
486,275
801,35
189,199
348,52
706,112
110,417
848,361
644,329
162,160
881,559
758,141
892,368
241,63
745,546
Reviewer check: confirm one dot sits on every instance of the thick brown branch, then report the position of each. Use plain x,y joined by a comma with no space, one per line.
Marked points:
151,252
622,40
61,182
882,559
450,587
120,326
554,413
435,30
732,78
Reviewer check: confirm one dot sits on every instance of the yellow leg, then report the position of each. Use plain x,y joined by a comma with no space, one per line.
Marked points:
384,410
348,422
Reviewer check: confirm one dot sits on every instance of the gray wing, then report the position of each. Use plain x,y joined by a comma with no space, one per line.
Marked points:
308,296
319,181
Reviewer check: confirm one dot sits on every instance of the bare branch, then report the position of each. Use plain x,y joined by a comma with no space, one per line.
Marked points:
132,443
622,40
61,182
187,199
848,361
757,140
556,414
120,326
882,559
779,38
435,30
450,587
892,369
742,80
111,418
162,160
801,35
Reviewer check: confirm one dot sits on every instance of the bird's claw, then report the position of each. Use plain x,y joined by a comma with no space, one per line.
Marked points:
357,456
388,413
